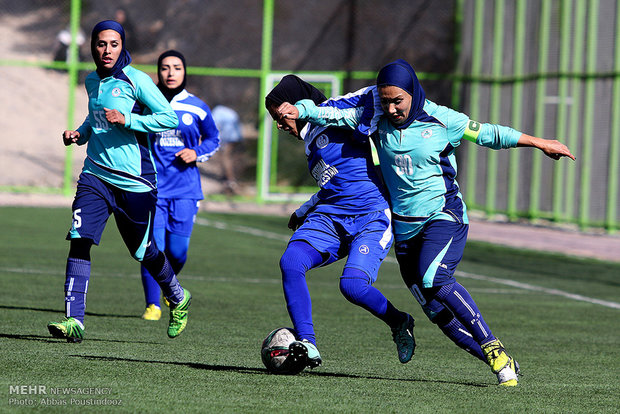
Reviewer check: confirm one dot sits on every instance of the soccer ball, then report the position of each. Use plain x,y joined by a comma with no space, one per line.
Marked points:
276,354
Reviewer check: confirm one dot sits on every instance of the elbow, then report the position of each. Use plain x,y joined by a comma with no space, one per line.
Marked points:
174,120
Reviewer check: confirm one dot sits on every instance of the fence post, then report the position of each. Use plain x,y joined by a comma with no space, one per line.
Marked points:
266,51
588,123
73,77
614,144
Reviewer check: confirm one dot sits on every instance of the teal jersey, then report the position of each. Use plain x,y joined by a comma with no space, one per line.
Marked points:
418,162
121,155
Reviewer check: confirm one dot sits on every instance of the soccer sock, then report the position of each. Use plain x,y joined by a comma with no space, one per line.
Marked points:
456,298
163,274
176,251
460,336
297,259
356,288
151,287
76,287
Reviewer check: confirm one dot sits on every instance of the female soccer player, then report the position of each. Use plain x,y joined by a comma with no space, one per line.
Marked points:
348,216
118,177
176,152
416,140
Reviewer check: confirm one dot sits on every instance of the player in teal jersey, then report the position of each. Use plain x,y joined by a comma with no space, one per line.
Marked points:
416,140
118,177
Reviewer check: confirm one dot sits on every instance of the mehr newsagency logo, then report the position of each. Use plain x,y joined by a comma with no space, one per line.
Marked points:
43,395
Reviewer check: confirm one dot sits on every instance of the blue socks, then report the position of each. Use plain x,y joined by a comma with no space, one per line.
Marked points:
461,337
298,258
456,298
356,288
176,252
165,277
76,286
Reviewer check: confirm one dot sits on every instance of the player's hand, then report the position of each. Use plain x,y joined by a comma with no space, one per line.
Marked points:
70,137
187,155
114,117
295,222
555,149
288,111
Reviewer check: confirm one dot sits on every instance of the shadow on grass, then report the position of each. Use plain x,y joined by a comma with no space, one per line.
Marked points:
247,370
50,339
107,315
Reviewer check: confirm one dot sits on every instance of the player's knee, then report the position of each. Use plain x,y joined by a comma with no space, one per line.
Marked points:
441,318
300,257
353,289
354,285
151,254
80,248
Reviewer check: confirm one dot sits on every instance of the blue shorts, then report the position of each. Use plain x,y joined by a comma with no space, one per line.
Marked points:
95,200
365,238
430,258
176,215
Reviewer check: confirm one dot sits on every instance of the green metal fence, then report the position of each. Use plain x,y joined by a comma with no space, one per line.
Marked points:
550,69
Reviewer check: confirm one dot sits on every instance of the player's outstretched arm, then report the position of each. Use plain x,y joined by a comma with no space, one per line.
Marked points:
70,137
551,147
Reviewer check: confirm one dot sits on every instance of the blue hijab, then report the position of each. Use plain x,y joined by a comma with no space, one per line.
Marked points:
124,58
400,73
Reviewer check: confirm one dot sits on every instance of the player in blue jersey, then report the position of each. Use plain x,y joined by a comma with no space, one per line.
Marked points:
118,177
176,152
348,216
416,140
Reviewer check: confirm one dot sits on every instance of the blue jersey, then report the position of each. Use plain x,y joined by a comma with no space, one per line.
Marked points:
120,155
197,131
417,162
344,171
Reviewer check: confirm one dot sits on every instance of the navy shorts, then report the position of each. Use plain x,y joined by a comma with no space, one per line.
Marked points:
365,238
430,258
95,200
176,215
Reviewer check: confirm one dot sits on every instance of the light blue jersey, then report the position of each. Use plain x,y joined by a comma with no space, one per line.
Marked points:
120,155
418,162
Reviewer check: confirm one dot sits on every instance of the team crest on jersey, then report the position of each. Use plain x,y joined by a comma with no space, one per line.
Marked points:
187,119
116,92
322,141
427,133
364,249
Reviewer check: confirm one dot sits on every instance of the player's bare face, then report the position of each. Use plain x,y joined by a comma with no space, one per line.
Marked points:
285,124
396,103
108,46
172,72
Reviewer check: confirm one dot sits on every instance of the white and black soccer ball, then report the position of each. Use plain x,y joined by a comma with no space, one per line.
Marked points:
275,352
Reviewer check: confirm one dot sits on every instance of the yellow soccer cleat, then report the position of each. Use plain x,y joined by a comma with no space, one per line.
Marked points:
502,364
152,313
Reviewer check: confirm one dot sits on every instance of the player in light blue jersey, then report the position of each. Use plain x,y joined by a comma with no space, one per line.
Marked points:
118,177
416,140
176,152
348,216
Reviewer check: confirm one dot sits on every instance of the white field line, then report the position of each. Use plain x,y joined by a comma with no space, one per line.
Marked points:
508,282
